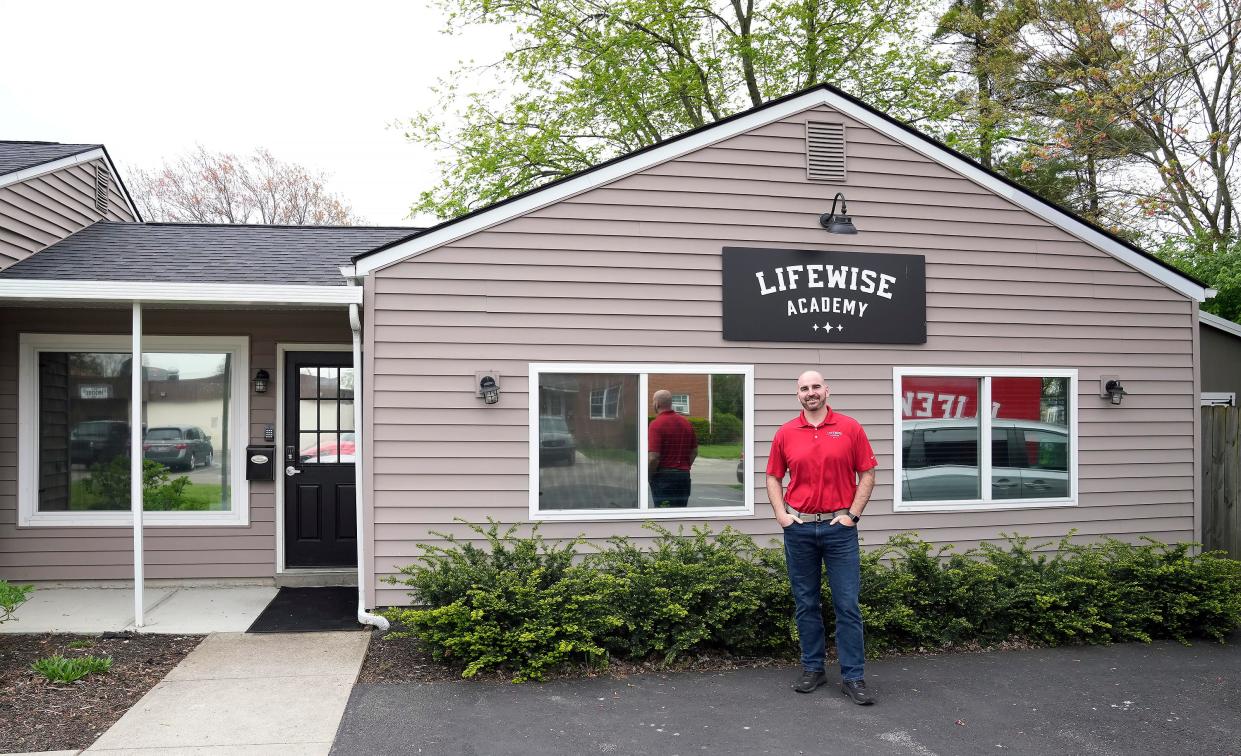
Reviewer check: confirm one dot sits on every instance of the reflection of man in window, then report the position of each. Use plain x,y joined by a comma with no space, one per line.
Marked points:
672,449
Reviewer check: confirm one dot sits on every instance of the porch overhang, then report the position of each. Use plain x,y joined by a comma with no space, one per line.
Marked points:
161,292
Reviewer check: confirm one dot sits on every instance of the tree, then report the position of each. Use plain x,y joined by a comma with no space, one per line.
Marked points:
986,35
590,79
220,187
1155,84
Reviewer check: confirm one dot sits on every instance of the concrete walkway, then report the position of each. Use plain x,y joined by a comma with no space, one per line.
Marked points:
168,609
245,694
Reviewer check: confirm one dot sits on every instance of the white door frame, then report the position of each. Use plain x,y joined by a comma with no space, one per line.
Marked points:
281,348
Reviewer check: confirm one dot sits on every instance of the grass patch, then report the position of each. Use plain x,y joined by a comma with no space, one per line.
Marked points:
198,497
59,669
720,451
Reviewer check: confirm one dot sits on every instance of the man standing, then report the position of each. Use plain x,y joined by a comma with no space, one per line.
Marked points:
671,449
831,474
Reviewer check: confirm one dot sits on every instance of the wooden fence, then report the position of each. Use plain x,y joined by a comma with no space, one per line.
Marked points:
1221,479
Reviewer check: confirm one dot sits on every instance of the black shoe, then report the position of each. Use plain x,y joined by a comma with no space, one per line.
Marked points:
809,681
856,690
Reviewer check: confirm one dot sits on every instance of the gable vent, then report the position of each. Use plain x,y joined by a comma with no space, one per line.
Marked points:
102,180
825,152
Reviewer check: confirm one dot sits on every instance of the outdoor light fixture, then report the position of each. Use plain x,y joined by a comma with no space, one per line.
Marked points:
838,224
1114,391
488,387
261,378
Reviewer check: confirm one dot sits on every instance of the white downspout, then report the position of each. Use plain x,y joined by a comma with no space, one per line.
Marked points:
359,422
135,457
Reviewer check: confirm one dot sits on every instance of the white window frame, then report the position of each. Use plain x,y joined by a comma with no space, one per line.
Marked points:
643,512
681,408
986,503
31,344
603,403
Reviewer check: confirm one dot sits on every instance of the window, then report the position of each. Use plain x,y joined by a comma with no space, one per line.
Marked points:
74,419
605,402
640,464
1030,419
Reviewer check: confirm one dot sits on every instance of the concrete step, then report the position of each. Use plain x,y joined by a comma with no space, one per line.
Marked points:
317,578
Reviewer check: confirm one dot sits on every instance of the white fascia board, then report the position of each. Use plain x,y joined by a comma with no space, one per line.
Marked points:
56,165
176,293
1219,323
677,148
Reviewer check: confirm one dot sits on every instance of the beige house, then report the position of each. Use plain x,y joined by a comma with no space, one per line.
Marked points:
974,330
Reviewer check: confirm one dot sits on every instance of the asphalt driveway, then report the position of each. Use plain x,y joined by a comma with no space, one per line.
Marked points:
1161,698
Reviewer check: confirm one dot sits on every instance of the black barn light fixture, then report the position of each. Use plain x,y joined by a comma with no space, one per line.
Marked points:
261,379
838,223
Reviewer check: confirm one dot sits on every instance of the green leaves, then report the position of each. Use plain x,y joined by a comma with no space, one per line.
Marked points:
11,597
60,669
586,80
528,607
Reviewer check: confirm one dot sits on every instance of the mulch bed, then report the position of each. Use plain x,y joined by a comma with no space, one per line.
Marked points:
36,715
404,660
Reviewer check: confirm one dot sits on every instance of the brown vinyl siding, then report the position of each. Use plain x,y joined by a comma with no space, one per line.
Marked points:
42,210
630,272
67,553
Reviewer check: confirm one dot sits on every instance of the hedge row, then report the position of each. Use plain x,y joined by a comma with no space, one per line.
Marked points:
527,606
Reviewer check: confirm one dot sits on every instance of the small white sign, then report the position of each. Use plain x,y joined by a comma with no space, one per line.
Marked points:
95,391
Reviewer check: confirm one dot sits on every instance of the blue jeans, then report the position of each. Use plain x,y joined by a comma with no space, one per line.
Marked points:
806,547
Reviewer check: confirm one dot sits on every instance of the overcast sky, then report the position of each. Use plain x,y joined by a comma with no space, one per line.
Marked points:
317,83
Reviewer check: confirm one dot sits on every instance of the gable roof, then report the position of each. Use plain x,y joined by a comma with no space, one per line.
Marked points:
822,94
1219,324
208,253
15,156
20,161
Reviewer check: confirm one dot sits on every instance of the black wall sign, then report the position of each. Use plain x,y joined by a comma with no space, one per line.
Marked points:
824,297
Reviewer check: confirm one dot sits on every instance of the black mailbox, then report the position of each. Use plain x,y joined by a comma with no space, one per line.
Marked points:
261,462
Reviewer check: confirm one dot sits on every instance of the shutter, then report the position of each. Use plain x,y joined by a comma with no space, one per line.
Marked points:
825,152
102,181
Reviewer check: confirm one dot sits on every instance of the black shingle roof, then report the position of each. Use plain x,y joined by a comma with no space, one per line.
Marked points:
185,252
15,156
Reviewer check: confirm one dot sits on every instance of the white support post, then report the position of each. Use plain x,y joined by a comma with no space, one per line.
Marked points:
136,458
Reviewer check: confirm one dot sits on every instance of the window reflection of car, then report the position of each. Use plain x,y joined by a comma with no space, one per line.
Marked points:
556,444
95,441
182,447
330,452
1029,460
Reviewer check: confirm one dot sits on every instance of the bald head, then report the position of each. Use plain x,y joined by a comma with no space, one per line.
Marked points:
812,391
662,400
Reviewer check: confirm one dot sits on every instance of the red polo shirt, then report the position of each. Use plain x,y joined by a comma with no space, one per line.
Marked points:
823,461
671,437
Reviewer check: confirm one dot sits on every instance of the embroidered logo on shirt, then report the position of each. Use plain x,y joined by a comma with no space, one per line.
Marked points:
834,434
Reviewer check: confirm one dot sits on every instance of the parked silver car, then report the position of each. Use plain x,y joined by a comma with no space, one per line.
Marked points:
1029,460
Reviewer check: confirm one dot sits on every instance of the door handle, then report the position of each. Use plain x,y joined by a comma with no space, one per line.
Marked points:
290,471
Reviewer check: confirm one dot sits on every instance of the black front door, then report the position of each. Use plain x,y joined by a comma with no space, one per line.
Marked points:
320,512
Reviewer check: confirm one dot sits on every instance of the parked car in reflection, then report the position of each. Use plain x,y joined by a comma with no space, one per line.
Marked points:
180,447
556,444
940,461
95,441
330,452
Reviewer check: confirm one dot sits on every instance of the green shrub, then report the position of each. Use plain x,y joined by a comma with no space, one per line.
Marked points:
726,429
59,669
11,597
526,606
109,484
